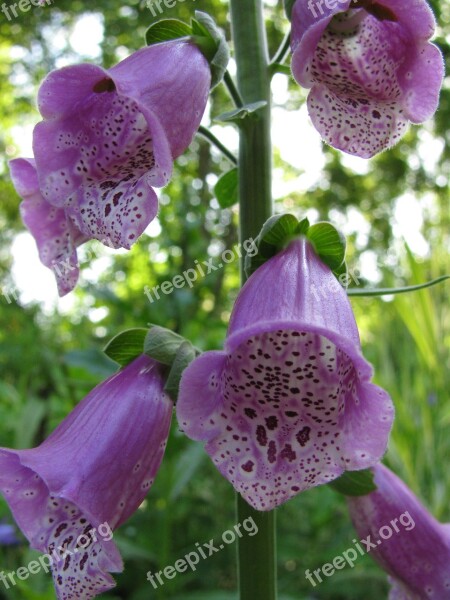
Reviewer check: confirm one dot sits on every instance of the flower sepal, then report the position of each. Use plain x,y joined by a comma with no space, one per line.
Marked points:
126,346
329,244
172,350
211,40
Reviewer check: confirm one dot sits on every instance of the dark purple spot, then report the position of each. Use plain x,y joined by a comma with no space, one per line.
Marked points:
272,452
303,436
261,435
288,454
248,467
272,423
60,529
250,412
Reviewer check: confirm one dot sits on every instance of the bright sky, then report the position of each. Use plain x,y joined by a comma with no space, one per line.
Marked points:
293,134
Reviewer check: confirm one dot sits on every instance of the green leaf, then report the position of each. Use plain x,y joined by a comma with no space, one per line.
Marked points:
166,30
126,346
279,229
275,234
354,483
303,226
184,356
328,243
199,29
243,112
392,291
162,344
227,189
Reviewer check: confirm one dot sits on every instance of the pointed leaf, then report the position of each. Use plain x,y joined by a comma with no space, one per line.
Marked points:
126,346
166,30
329,244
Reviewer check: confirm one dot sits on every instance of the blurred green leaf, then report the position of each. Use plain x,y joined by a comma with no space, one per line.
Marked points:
354,483
227,189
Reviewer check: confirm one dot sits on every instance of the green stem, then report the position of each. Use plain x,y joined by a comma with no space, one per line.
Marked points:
232,89
208,135
393,291
256,554
283,50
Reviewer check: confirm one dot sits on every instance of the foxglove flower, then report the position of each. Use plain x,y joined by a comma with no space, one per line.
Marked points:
94,469
56,235
109,135
407,541
288,404
370,67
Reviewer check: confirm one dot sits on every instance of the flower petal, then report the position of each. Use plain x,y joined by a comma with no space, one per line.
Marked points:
104,184
293,415
176,90
201,380
117,214
53,526
308,25
360,127
56,236
421,82
63,90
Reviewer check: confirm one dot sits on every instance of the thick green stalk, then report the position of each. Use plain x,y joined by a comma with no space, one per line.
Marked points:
256,554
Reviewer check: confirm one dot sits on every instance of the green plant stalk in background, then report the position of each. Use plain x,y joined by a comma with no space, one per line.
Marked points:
257,554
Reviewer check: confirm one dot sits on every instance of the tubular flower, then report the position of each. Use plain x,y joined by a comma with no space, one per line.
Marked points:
288,404
414,548
370,67
107,136
94,470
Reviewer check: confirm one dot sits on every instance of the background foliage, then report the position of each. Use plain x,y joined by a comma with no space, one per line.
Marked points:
49,360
